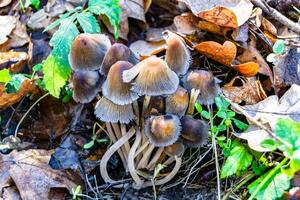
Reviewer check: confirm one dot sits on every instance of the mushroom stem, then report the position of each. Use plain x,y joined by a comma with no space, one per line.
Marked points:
141,149
118,133
115,147
136,112
167,178
131,164
112,137
194,95
146,104
169,161
155,158
126,145
143,162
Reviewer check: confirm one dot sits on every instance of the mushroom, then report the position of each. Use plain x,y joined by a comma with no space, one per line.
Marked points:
115,89
152,77
86,85
117,52
203,86
178,102
88,50
177,54
194,132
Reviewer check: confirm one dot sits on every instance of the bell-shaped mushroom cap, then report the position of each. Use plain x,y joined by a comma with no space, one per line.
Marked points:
152,77
162,130
107,111
176,149
86,85
194,131
115,89
206,83
178,102
88,50
117,52
177,54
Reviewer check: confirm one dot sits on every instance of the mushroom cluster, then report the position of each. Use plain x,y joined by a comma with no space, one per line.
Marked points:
146,105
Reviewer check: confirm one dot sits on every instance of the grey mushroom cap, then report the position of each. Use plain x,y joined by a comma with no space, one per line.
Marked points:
88,50
176,149
152,77
194,132
86,85
107,111
178,102
162,130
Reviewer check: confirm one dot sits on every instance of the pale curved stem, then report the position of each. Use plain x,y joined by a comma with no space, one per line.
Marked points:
155,158
131,165
110,152
118,133
143,162
126,145
194,95
141,149
167,178
169,161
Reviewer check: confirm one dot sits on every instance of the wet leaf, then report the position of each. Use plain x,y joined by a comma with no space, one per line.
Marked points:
247,69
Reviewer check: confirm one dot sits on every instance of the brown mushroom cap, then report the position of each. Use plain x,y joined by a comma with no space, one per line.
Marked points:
178,102
194,131
86,85
107,111
152,77
177,54
88,50
176,149
162,130
114,88
117,52
205,82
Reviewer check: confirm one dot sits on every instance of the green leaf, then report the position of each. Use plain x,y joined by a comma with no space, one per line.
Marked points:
37,67
222,114
34,3
4,76
228,122
269,144
198,107
88,23
241,125
110,8
76,191
61,18
205,114
15,83
221,103
56,73
89,144
239,159
230,114
279,47
273,189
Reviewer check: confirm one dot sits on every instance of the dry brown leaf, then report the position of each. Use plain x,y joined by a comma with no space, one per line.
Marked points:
19,60
247,69
7,24
212,28
39,20
12,98
33,177
134,9
246,90
268,26
19,36
155,34
186,23
223,54
142,48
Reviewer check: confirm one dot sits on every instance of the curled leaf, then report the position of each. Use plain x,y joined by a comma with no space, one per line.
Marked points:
247,69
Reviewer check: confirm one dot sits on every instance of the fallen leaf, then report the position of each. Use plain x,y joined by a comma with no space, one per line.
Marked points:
212,28
241,34
247,90
142,48
11,193
223,54
186,23
134,9
14,60
266,25
247,69
155,34
19,36
7,100
38,50
33,177
7,24
4,3
39,20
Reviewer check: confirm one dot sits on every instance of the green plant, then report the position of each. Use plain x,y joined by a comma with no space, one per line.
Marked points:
95,138
56,67
76,192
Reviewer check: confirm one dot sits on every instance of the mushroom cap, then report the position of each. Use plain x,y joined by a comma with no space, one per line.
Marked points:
178,55
194,131
178,102
86,85
162,130
88,50
176,149
115,89
117,52
107,111
152,77
206,83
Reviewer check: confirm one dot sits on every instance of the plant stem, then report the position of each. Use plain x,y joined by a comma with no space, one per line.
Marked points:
27,112
268,177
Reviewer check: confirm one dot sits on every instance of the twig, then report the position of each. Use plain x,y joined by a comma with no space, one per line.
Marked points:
277,15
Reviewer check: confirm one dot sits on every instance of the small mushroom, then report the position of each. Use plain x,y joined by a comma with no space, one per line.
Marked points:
203,86
152,77
86,85
177,54
115,89
178,102
117,52
194,131
162,130
88,50
108,111
176,149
